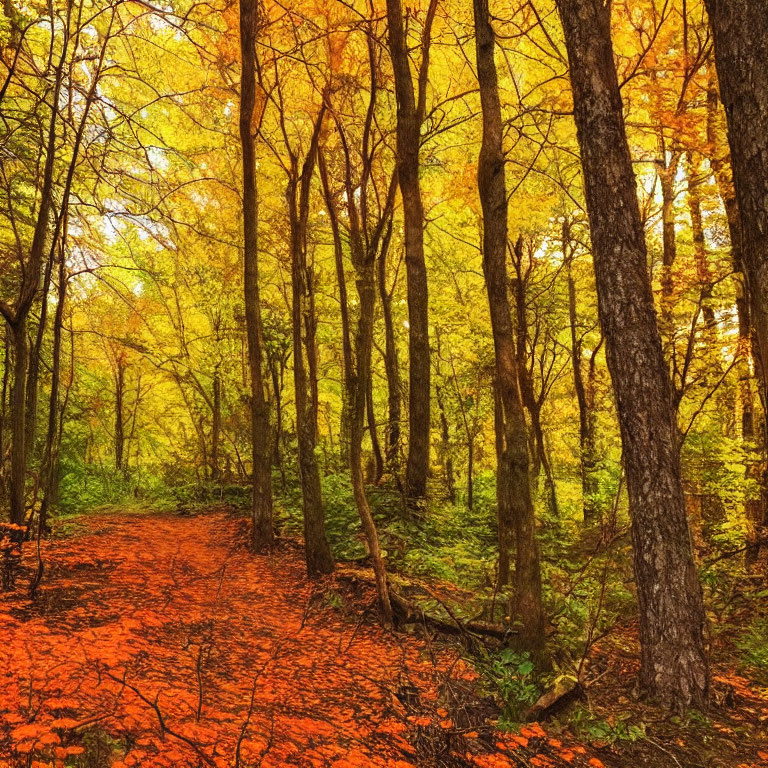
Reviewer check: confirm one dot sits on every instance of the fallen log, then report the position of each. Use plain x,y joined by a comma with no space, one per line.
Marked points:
555,700
408,612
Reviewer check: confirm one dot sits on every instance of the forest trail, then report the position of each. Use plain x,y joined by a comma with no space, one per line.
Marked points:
160,640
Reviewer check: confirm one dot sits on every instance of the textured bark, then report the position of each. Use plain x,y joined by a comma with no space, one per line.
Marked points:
317,550
216,426
119,434
587,451
50,463
445,447
512,482
262,533
391,362
741,57
7,367
408,142
719,160
378,457
368,240
17,316
18,425
674,665
703,272
33,373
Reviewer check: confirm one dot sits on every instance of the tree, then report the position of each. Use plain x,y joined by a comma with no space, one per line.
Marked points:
741,57
674,665
513,486
261,501
410,114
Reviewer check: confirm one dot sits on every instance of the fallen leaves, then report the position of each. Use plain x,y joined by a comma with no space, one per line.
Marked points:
168,642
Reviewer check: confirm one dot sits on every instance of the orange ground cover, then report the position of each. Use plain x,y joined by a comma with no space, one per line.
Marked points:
162,641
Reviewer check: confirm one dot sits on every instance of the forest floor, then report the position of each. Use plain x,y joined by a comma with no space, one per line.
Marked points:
160,640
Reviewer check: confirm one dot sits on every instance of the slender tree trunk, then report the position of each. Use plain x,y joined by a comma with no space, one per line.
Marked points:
587,456
513,483
49,469
216,426
741,57
719,160
408,143
119,447
378,458
17,317
276,373
391,363
667,169
34,359
18,425
7,367
357,367
317,550
357,355
674,665
504,522
262,533
703,272
445,450
537,451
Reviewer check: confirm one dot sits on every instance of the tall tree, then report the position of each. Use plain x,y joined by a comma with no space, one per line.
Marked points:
261,501
317,550
31,263
674,664
741,57
513,486
410,114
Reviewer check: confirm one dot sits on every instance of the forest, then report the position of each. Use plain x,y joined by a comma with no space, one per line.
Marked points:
384,383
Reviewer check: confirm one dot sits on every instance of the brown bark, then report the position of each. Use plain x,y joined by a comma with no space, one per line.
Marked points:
216,426
18,426
674,665
703,272
119,433
17,316
408,143
741,58
587,451
378,457
262,533
49,469
512,483
391,362
316,548
368,239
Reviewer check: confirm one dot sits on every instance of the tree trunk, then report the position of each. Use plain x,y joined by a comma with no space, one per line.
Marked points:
317,551
7,366
408,143
586,421
391,363
364,246
262,533
378,458
216,426
18,425
741,58
703,272
445,448
674,665
119,435
49,469
513,483
33,373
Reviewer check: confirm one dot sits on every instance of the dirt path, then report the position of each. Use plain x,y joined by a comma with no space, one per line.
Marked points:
161,641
